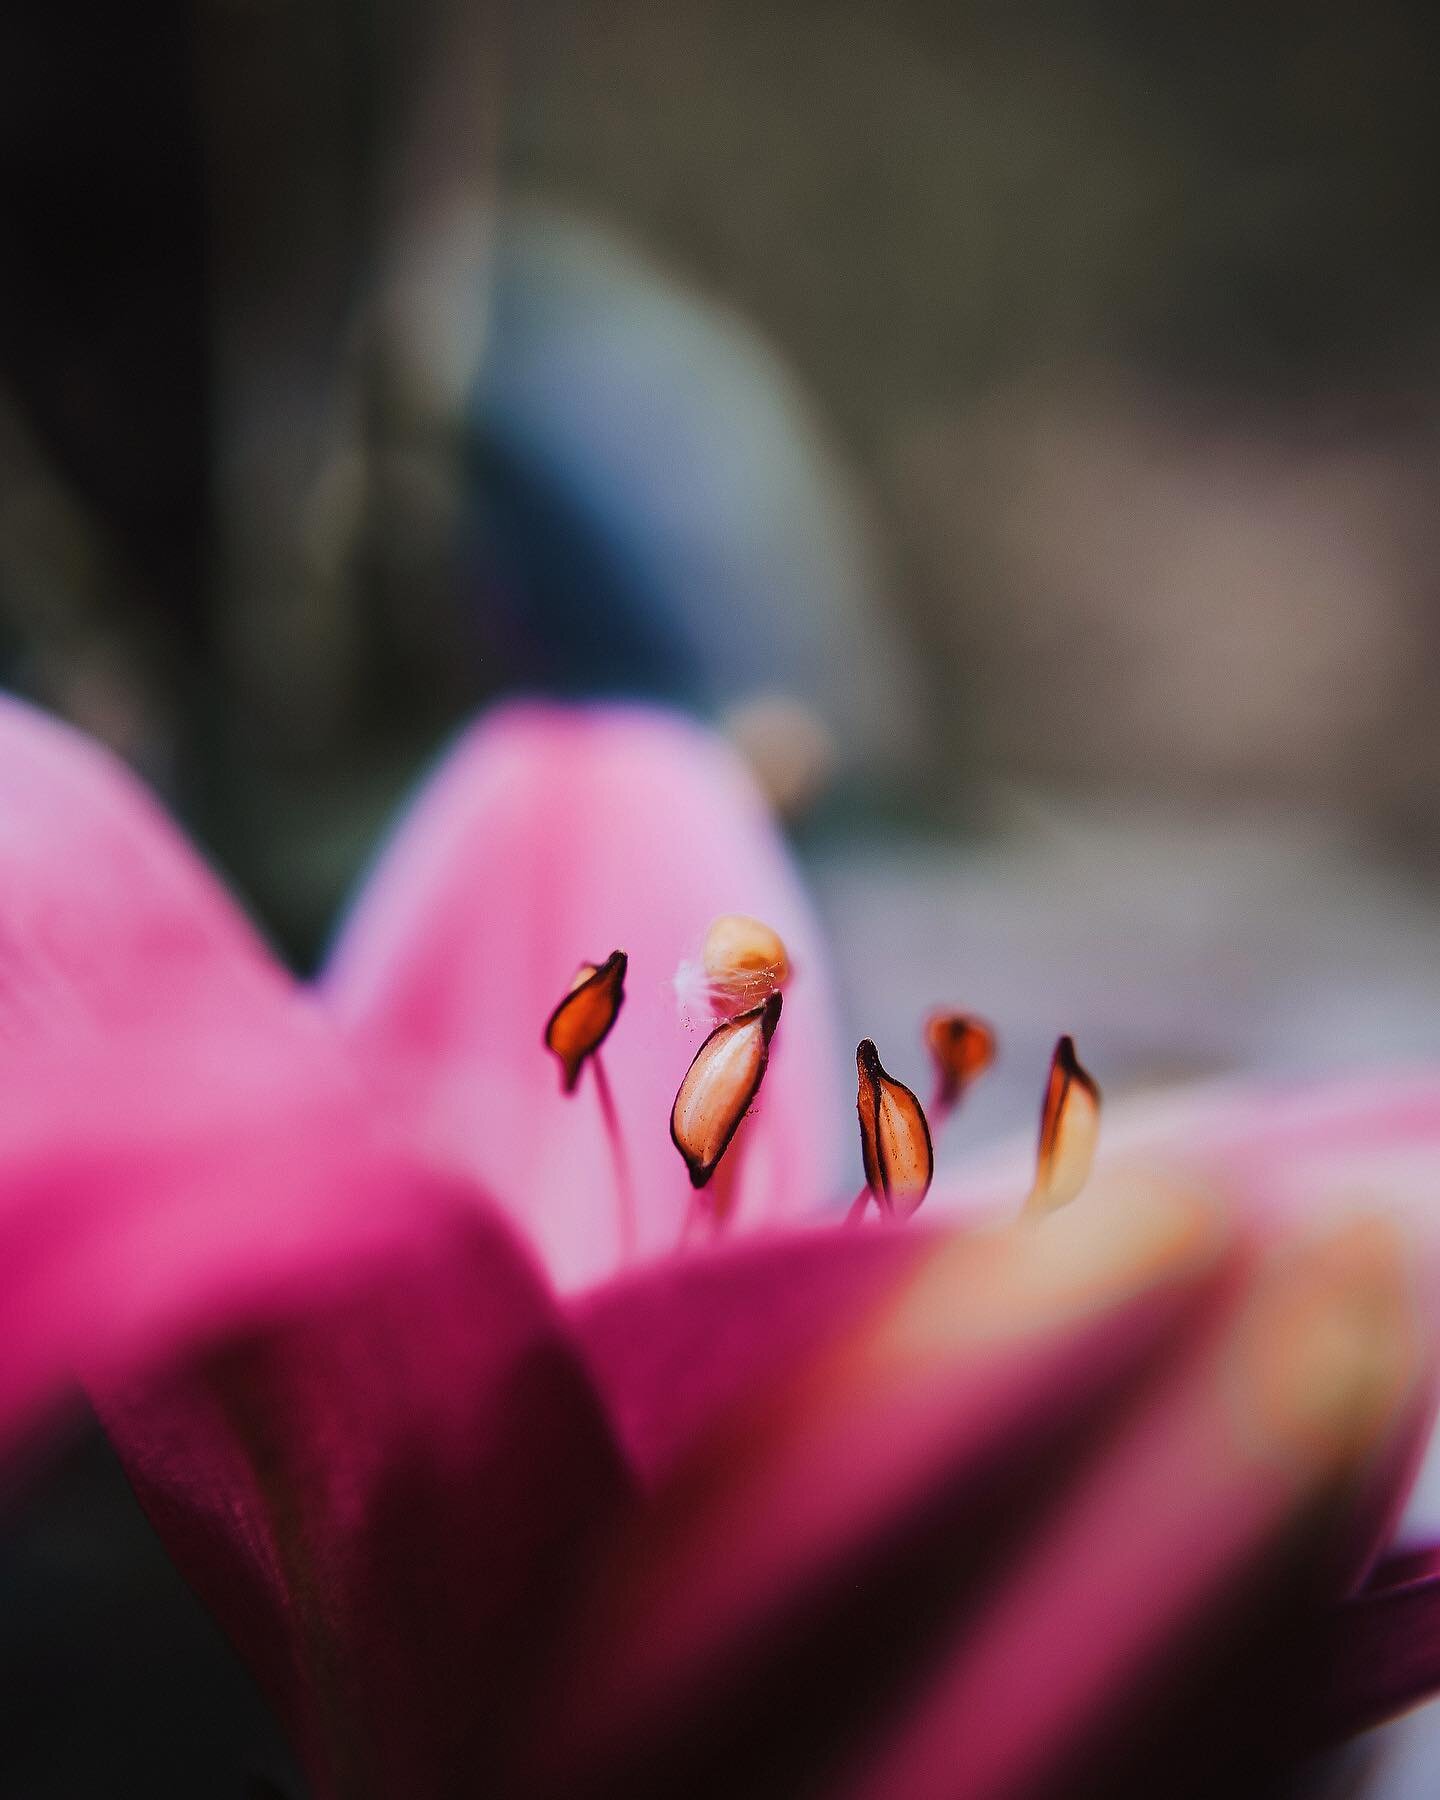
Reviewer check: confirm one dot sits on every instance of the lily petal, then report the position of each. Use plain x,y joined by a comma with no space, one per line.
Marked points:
548,832
343,1361
1290,1148
169,1092
159,1189
107,917
1382,1654
801,1563
675,1344
387,1500
1211,1521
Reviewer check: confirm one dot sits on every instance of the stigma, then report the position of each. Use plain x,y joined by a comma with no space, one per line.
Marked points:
720,1086
582,1021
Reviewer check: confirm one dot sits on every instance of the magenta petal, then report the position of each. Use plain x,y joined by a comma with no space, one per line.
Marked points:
157,1188
107,918
548,838
388,1501
1166,1618
672,1345
794,1571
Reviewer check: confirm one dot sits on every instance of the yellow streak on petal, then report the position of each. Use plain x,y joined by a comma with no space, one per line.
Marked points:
1333,1345
1030,1277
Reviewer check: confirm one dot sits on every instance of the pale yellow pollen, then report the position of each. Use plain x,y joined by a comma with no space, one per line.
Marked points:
1333,1344
744,958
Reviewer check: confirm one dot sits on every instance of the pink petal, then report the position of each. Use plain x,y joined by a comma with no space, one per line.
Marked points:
795,1571
1293,1148
380,1461
551,837
388,1501
1288,1151
155,1189
673,1345
1196,1555
106,916
169,1093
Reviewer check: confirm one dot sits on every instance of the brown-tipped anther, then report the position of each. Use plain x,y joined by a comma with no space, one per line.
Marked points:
719,1087
744,960
963,1048
894,1137
581,1022
1069,1130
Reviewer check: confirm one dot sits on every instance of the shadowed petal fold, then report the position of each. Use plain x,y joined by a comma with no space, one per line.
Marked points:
388,1500
1381,1653
548,832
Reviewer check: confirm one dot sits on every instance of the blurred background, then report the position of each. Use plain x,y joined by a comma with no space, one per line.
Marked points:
1018,424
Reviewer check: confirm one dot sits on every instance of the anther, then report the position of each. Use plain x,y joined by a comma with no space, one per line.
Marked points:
894,1140
719,1087
581,1022
962,1048
1069,1130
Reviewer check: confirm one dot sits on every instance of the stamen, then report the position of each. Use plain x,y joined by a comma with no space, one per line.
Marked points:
719,1087
581,1022
894,1140
619,1162
1069,1130
963,1048
744,960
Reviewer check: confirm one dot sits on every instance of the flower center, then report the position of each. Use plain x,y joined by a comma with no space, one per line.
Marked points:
745,965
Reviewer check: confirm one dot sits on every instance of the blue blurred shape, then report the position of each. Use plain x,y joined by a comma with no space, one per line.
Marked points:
656,512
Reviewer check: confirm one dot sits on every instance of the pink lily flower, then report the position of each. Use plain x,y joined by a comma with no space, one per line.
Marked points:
502,1490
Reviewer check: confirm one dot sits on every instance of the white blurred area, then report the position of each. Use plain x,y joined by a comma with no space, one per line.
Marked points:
1173,944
